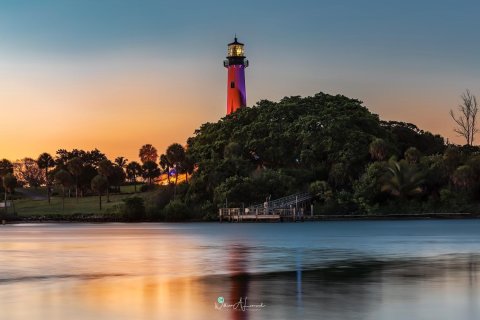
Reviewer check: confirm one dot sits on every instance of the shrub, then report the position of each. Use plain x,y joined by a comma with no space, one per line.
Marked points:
147,187
156,201
134,209
176,210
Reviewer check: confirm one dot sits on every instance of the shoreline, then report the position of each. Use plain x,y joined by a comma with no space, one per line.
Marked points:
316,218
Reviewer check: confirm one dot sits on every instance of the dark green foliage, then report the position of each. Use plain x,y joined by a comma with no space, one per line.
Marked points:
334,147
117,177
6,167
64,179
150,171
133,171
300,140
176,211
405,135
157,200
176,157
99,185
402,179
134,209
147,187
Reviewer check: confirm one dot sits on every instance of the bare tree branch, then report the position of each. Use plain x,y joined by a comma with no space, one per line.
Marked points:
466,121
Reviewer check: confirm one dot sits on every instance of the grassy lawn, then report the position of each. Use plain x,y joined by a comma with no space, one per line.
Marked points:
29,206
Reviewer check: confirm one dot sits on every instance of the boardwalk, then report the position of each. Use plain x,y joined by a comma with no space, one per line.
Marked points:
290,208
239,215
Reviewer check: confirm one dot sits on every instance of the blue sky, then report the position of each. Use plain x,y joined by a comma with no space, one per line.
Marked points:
407,60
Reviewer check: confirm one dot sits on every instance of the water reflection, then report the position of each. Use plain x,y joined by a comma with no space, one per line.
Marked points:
239,278
162,272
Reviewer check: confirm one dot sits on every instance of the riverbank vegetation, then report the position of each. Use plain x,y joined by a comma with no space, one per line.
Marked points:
331,146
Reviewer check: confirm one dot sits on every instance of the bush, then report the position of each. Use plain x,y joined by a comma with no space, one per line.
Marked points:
134,209
176,210
147,187
156,201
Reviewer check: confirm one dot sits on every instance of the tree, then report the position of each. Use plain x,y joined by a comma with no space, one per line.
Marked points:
99,184
165,165
9,184
75,167
117,178
93,157
45,161
28,172
188,166
148,153
466,121
105,168
134,208
176,156
402,179
150,171
378,149
463,177
65,180
321,191
134,170
412,155
6,167
121,162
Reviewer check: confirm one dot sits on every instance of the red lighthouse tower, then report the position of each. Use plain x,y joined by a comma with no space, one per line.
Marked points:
236,64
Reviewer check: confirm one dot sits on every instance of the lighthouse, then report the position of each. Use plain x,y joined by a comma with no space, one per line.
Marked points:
236,64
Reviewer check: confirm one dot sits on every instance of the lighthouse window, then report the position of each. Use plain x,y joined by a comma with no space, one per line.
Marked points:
232,84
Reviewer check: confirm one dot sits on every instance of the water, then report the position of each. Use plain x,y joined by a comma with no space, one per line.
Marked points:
322,270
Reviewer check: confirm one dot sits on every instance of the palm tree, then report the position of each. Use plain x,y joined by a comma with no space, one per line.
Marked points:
150,171
105,168
6,167
188,166
378,149
165,165
134,169
176,156
46,161
121,162
9,184
148,153
99,184
402,179
75,167
63,178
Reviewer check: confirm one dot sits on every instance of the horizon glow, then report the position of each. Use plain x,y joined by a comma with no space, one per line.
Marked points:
116,75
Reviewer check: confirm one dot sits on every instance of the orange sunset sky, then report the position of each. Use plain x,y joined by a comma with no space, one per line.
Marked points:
93,75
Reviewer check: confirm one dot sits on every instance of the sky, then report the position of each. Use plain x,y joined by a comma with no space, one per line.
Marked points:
117,74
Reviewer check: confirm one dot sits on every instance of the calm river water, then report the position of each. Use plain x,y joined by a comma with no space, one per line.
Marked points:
316,270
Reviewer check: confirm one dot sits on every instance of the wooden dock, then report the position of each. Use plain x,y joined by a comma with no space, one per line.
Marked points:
289,208
259,215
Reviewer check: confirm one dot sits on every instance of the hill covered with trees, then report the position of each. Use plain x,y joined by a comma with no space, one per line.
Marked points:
334,147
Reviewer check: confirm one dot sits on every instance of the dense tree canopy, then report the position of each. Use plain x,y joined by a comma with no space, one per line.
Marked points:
332,144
